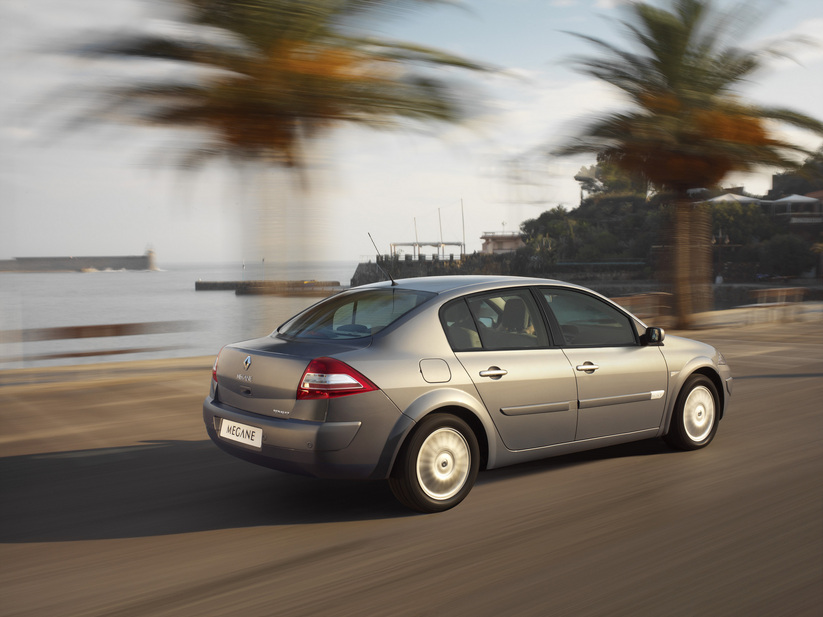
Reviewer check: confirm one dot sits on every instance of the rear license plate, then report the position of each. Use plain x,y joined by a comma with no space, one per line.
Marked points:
242,433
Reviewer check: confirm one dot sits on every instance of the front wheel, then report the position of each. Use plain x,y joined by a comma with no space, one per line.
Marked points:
695,416
437,466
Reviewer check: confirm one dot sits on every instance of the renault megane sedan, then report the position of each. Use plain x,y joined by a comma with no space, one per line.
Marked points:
426,381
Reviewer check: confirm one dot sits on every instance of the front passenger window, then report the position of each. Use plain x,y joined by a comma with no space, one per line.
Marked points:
586,321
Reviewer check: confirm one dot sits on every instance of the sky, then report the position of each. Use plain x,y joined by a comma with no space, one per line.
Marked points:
108,190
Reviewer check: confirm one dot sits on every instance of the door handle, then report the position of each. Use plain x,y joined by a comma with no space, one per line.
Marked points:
495,372
587,367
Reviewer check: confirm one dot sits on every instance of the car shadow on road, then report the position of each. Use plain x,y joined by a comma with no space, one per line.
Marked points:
168,487
647,447
173,487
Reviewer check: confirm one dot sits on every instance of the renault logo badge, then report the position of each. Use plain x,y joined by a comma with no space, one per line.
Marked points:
247,362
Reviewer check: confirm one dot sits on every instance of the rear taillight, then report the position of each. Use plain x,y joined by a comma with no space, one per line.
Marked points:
214,368
328,378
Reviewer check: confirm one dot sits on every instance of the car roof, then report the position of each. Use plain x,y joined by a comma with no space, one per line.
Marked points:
448,287
465,283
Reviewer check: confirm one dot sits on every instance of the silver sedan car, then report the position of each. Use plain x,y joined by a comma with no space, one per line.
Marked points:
426,381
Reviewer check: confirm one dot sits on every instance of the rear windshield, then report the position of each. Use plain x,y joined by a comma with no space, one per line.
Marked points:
353,315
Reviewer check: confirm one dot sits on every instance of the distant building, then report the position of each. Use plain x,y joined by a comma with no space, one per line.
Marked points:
495,242
800,209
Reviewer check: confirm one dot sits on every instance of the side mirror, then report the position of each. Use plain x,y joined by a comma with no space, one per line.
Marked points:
653,336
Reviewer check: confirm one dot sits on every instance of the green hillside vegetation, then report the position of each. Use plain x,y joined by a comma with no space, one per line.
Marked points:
620,225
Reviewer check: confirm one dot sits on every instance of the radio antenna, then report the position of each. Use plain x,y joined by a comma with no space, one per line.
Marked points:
377,250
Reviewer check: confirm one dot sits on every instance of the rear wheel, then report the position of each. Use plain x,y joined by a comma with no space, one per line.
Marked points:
694,421
437,466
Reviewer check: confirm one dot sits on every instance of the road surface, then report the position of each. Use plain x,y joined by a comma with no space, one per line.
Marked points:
114,504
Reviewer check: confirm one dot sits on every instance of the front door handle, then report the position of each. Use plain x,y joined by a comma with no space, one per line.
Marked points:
495,372
587,367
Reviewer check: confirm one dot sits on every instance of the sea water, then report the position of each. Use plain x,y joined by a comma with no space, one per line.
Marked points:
210,319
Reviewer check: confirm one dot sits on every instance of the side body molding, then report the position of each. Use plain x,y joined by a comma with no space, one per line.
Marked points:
619,400
525,410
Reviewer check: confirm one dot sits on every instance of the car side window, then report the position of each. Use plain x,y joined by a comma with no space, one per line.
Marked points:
508,320
459,326
586,321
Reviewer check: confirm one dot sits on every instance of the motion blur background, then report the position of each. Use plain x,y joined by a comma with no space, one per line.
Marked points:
126,129
129,125
108,188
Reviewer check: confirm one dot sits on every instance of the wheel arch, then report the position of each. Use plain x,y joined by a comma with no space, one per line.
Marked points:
438,462
453,401
474,424
708,371
467,415
718,385
689,427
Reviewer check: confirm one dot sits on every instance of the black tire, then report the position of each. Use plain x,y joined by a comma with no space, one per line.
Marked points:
695,416
437,466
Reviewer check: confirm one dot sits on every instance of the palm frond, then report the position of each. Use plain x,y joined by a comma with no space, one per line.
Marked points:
274,72
687,126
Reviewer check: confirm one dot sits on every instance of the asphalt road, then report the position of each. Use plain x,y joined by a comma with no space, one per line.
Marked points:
114,504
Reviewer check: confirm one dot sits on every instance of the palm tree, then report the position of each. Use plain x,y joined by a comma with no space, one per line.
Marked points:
685,128
267,76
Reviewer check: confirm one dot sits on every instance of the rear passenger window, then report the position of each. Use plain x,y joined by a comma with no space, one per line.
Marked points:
508,320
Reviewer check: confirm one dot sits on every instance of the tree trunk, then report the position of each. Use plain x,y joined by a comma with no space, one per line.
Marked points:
287,230
692,267
701,259
682,267
283,239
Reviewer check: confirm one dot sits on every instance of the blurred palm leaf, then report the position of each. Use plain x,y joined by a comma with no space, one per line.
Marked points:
269,74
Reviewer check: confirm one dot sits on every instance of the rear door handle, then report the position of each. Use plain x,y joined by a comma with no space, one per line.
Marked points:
495,372
587,367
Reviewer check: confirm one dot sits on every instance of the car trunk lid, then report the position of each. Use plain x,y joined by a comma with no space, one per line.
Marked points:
261,376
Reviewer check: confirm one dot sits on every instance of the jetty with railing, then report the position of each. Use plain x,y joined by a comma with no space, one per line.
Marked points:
272,288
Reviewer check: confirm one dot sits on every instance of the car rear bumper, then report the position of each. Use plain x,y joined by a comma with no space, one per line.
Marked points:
347,448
